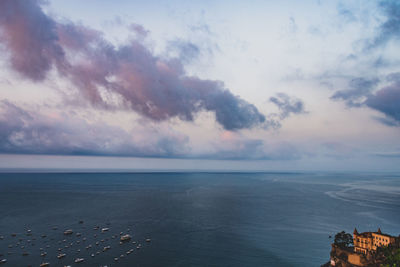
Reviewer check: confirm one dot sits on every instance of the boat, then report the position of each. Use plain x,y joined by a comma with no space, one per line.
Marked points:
105,229
148,240
78,260
61,255
3,261
125,238
43,254
68,232
45,264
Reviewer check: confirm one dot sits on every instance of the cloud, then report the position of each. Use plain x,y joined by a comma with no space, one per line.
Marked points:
387,101
31,38
364,91
24,131
287,105
128,76
30,132
338,150
184,50
235,146
390,28
346,13
359,88
394,154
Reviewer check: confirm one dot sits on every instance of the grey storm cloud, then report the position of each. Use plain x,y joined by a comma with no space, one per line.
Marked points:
29,132
154,87
287,105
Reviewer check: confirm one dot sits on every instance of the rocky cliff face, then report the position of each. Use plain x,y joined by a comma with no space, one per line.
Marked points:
346,257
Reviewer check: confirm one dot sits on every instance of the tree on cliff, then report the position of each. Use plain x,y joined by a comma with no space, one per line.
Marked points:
343,239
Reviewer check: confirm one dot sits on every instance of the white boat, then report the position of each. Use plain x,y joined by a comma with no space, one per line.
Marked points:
61,255
105,229
125,238
78,260
68,232
3,261
45,264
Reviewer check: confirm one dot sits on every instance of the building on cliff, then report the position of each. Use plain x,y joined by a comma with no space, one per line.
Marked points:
368,242
365,252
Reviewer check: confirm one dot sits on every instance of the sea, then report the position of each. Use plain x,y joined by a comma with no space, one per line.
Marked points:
189,218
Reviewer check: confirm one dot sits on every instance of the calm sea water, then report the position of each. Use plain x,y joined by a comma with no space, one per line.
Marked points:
193,219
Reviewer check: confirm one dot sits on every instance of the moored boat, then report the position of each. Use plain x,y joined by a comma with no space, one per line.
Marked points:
125,238
78,260
68,232
61,255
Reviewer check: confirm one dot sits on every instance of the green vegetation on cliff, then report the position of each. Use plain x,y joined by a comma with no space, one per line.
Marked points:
391,256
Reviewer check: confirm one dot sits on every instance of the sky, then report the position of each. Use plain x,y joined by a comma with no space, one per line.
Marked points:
211,85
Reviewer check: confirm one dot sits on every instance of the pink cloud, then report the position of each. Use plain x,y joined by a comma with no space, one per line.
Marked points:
147,84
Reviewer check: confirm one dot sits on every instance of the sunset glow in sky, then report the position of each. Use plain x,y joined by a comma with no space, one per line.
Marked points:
252,85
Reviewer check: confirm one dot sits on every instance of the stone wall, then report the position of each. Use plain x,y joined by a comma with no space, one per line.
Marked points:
347,257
